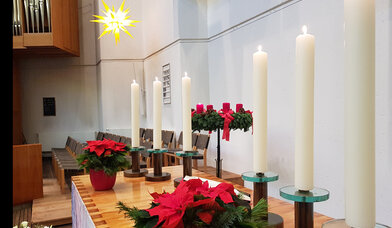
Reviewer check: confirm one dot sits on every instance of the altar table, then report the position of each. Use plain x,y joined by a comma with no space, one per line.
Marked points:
92,208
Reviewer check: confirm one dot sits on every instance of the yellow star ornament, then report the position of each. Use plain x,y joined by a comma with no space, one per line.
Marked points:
115,21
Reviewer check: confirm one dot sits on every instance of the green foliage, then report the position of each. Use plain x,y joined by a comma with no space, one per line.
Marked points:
242,121
141,217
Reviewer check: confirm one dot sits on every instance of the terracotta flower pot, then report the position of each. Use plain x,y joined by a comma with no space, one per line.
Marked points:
101,181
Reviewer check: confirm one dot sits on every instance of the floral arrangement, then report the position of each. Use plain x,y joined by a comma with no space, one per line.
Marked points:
25,224
226,120
195,204
106,155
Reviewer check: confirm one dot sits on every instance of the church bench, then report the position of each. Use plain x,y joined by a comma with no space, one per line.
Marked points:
64,161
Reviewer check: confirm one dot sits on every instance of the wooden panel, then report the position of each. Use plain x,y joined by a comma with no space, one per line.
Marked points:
65,25
135,192
64,38
17,135
38,39
17,42
27,173
74,30
57,21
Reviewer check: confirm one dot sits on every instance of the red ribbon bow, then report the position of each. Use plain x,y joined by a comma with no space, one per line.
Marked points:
228,118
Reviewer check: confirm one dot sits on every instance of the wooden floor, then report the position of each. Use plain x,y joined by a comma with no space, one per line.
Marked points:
55,208
21,213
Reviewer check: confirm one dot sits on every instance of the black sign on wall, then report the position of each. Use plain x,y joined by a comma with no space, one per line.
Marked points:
49,106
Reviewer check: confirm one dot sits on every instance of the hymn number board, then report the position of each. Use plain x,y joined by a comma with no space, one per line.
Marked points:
49,106
166,83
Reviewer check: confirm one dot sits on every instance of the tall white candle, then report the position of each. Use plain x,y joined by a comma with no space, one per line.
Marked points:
135,90
304,102
157,113
186,113
359,157
260,111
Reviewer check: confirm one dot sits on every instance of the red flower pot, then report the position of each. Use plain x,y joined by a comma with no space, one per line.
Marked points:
101,181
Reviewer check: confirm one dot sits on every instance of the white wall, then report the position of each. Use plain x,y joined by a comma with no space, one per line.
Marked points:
158,25
126,47
199,37
72,81
171,113
114,81
74,88
231,79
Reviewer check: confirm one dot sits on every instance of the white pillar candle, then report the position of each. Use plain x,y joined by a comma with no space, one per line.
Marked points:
304,102
135,119
157,113
359,157
186,113
260,111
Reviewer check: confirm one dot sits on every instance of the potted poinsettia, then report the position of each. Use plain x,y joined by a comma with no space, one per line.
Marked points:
102,159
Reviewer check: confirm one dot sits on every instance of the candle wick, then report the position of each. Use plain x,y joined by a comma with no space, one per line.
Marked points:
304,29
186,74
259,47
156,78
134,81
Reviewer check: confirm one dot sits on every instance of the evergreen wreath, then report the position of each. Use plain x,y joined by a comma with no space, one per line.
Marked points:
211,121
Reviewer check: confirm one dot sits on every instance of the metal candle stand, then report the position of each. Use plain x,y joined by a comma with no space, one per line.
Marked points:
187,165
135,171
158,175
303,203
260,190
218,159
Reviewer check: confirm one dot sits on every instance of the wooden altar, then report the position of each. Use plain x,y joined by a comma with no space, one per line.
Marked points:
101,208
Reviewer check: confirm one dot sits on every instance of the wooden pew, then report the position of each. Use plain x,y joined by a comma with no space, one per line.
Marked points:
64,161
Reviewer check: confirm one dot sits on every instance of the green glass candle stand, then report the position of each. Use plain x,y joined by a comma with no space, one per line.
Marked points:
260,191
260,184
187,164
135,171
303,203
157,175
341,223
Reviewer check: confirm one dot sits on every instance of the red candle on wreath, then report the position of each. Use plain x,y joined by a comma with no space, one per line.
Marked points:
210,107
238,107
199,108
226,107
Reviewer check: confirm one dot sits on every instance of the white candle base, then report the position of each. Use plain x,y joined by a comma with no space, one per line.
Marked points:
341,223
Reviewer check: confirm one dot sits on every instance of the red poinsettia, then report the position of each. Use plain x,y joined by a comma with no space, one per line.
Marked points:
105,145
195,204
171,207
